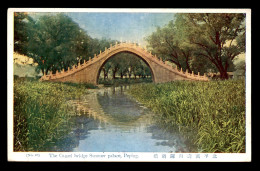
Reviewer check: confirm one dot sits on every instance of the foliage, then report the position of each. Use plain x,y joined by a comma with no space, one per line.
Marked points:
201,42
97,45
240,69
211,117
170,43
40,109
164,43
220,38
126,64
21,31
55,42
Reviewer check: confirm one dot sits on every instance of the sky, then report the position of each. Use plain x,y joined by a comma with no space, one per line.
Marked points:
121,26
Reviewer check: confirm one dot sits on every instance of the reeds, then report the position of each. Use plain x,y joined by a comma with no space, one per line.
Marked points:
210,114
40,110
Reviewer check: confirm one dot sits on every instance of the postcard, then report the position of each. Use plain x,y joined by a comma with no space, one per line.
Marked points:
153,85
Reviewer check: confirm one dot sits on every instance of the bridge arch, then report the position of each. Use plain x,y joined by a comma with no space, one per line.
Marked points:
138,55
89,71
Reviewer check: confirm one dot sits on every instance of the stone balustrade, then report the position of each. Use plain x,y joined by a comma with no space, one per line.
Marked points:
123,46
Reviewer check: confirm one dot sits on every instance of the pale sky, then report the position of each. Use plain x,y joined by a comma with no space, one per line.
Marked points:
121,26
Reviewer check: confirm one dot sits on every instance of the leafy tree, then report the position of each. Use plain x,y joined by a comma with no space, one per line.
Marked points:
95,45
21,31
55,42
218,37
240,68
106,69
127,64
168,44
142,70
201,42
123,62
137,68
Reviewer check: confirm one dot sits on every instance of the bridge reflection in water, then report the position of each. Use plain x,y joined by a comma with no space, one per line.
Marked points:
108,120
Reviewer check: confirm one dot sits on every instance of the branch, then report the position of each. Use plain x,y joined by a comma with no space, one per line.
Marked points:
210,58
234,35
175,57
211,38
169,45
201,45
176,63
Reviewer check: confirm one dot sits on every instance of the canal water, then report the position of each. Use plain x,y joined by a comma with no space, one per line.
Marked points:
109,120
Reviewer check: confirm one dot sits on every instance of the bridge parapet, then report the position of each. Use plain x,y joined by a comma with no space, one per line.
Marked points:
132,47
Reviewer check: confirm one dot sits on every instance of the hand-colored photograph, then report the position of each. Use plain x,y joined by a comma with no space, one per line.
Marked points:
122,81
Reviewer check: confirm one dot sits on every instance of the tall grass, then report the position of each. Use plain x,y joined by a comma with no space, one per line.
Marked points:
39,110
210,114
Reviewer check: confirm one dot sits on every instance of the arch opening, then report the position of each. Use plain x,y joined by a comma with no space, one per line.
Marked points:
125,65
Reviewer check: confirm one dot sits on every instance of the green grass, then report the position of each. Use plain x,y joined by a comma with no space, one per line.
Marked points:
209,114
81,85
40,110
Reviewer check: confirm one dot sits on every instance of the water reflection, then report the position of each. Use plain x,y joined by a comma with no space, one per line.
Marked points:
110,121
118,106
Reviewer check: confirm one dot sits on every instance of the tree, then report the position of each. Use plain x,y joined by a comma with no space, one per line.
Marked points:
55,42
106,69
95,45
240,68
127,64
168,44
119,64
21,31
218,37
135,64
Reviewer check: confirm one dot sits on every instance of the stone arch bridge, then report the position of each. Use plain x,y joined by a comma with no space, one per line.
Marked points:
89,71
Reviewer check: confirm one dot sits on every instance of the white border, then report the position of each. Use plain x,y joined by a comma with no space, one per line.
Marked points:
10,48
248,85
130,157
46,156
132,10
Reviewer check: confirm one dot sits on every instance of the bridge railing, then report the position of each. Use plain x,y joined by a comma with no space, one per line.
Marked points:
166,65
136,47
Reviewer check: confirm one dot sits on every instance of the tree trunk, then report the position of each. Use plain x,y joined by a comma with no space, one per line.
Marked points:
186,55
223,75
223,70
176,63
43,71
47,71
114,74
104,72
188,66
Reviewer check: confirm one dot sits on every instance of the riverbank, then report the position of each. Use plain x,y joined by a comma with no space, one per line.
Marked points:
123,81
39,111
210,114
